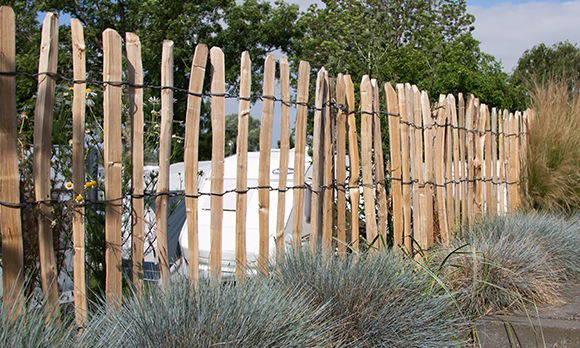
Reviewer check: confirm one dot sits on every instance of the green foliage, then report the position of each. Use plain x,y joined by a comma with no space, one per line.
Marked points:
381,299
231,127
502,262
552,164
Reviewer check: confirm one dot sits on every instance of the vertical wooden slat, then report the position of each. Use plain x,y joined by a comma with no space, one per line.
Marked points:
418,172
366,105
395,170
300,154
405,168
284,149
440,170
112,71
353,158
264,174
78,163
449,110
10,228
469,154
135,75
416,158
463,157
488,163
502,161
328,171
42,154
479,158
217,90
457,161
162,201
518,158
381,190
429,174
190,154
242,162
317,158
494,164
341,164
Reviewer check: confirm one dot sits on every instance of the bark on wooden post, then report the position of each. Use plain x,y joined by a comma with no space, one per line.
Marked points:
421,218
112,72
457,162
488,164
449,109
440,170
162,200
265,150
42,154
10,228
395,170
190,154
317,161
135,75
242,163
284,153
366,104
300,154
470,152
78,162
381,191
405,168
341,165
429,173
328,171
353,156
217,160
494,163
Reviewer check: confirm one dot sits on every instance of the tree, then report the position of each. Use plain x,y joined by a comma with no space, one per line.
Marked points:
231,128
542,64
423,42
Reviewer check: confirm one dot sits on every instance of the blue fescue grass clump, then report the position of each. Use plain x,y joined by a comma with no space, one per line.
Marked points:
27,324
247,314
504,262
381,299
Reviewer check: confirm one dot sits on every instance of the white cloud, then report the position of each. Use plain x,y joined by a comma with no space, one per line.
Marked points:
507,30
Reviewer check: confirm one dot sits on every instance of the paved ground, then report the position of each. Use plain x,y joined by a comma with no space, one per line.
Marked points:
554,326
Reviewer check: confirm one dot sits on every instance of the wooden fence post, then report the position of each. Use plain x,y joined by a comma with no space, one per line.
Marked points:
416,156
284,153
42,155
440,170
502,162
470,142
300,154
457,161
463,158
78,159
488,163
10,228
479,159
191,148
190,154
396,191
495,167
328,171
341,165
418,173
381,191
242,162
405,167
265,150
112,73
353,158
449,146
217,160
162,200
366,105
317,170
135,75
429,159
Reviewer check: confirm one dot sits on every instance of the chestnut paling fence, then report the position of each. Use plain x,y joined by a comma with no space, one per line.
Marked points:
449,162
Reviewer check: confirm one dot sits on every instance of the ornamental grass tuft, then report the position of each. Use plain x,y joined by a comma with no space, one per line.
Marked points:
502,262
247,314
380,299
